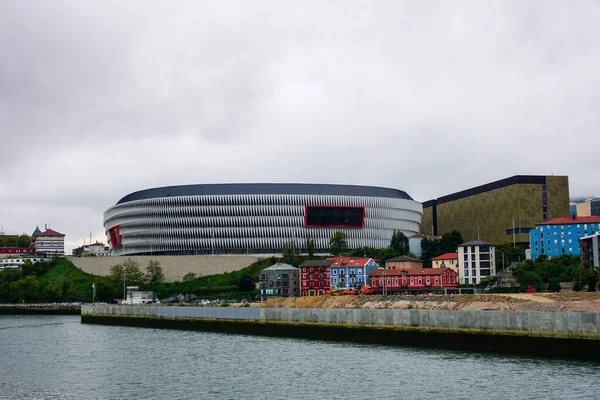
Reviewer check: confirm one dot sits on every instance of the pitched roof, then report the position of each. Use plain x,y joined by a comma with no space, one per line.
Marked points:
447,256
36,232
349,261
50,232
422,235
566,220
280,267
404,259
476,243
316,263
410,271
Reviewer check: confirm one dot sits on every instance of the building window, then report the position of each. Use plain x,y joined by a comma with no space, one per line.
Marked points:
334,271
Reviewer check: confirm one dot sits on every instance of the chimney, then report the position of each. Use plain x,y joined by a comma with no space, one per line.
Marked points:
46,227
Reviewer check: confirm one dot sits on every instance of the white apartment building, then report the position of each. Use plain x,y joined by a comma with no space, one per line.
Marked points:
49,241
476,260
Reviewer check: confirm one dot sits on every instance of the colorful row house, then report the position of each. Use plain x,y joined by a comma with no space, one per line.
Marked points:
351,272
411,279
314,277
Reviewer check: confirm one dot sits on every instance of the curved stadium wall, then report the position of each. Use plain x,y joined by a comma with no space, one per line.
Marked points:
256,218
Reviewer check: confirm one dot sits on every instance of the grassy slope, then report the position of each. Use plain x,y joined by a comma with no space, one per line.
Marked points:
78,283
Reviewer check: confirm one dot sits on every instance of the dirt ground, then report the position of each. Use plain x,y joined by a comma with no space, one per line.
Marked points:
517,302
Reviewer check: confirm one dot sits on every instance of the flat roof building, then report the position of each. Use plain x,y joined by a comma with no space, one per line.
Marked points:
503,211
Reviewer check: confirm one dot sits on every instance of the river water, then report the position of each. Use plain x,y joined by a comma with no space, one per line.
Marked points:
57,357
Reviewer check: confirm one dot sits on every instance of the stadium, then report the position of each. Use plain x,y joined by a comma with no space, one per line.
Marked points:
255,218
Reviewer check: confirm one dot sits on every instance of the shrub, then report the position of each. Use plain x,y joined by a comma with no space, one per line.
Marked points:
554,285
224,304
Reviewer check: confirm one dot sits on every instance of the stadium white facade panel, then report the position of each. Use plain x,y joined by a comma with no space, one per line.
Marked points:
259,219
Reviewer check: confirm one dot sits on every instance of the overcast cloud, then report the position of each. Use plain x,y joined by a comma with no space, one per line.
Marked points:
102,98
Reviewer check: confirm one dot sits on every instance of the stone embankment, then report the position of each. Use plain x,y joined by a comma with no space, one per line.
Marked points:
40,309
510,302
544,333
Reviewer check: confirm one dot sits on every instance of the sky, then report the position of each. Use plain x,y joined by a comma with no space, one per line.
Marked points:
102,98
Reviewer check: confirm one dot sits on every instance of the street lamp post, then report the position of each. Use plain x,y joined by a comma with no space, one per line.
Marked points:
124,292
93,292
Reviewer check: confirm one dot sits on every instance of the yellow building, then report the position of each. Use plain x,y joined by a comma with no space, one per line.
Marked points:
503,211
448,260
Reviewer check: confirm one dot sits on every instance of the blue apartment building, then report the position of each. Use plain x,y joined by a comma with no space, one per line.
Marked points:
350,272
561,235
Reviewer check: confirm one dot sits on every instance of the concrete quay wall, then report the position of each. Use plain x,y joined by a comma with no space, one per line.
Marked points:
174,267
576,325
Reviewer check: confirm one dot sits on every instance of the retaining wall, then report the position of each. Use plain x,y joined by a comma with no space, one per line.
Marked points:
581,325
174,267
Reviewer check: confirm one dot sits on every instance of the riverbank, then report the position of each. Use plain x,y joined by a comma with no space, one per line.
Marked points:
572,301
40,309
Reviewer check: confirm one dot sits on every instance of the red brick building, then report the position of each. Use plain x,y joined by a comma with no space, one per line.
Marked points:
314,277
413,279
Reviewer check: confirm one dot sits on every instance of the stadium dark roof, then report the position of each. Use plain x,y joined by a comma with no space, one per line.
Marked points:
265,188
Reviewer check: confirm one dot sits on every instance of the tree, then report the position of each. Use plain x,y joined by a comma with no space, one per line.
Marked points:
387,253
291,254
26,289
399,243
133,274
188,283
430,248
592,280
554,285
579,278
23,241
450,242
244,283
310,247
487,282
115,274
530,278
10,241
512,254
154,276
338,243
370,252
189,277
